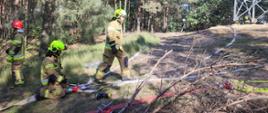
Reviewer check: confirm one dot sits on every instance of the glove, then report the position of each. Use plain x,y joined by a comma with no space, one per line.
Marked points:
115,49
102,95
52,79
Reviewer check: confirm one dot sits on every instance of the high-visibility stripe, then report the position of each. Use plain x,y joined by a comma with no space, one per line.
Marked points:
44,82
60,78
257,81
46,93
15,58
15,42
48,66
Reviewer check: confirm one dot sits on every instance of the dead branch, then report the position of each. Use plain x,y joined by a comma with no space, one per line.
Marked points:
140,86
260,109
186,75
169,102
164,56
244,99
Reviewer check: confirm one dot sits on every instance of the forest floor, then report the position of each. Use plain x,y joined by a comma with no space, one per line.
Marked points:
229,53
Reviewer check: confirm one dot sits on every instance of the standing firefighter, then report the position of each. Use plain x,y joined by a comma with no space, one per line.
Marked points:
16,51
52,80
113,47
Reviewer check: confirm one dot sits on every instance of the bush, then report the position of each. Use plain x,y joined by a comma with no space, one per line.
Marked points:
82,20
207,13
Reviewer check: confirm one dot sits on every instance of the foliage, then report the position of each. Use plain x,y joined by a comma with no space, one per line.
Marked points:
82,20
208,13
152,7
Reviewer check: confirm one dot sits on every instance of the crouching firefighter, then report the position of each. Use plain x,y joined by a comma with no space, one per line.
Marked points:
52,80
113,47
16,51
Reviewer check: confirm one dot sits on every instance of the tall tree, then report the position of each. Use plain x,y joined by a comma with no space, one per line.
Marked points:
48,17
152,7
165,16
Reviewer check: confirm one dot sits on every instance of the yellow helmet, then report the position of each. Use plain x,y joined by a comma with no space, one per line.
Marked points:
120,12
56,45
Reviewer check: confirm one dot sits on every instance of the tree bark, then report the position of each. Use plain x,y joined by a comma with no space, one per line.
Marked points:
47,26
149,22
138,16
165,19
115,4
1,19
120,4
125,8
15,9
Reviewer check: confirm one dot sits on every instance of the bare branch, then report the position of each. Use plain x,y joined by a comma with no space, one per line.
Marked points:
186,75
244,99
140,86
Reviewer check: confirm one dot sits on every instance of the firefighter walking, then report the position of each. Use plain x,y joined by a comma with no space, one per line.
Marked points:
114,48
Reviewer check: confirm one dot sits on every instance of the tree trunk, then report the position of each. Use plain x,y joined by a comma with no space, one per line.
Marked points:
47,26
165,19
152,23
138,17
1,19
115,4
128,16
15,9
125,8
149,22
31,6
120,4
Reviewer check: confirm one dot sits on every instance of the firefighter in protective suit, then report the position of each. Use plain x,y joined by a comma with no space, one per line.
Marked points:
16,51
113,47
52,80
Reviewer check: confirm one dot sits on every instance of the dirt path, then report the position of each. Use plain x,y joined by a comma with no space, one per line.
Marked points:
193,50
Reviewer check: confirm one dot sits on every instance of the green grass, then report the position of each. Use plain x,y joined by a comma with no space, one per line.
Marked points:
140,42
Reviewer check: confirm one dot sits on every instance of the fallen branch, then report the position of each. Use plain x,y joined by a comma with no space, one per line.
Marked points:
140,86
169,102
245,99
186,75
176,96
260,109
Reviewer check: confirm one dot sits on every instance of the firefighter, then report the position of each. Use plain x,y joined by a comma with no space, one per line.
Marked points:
16,52
52,80
113,47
